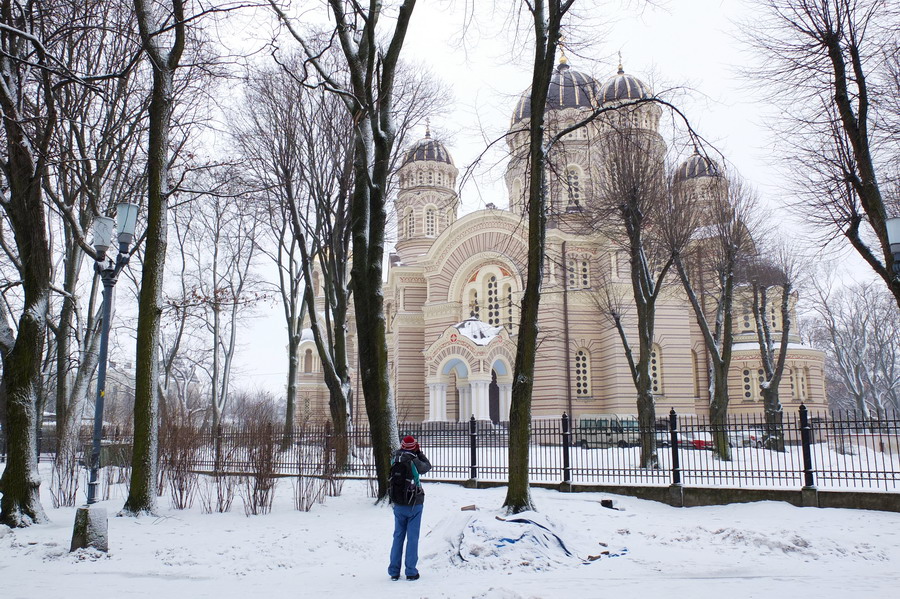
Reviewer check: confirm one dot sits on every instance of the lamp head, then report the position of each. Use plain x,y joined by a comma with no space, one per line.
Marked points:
103,233
126,222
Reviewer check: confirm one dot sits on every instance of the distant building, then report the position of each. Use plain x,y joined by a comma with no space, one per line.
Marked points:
454,285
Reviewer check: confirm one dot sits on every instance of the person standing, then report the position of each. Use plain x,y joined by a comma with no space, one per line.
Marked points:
408,497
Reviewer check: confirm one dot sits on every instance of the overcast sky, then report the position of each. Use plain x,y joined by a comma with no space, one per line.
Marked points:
687,49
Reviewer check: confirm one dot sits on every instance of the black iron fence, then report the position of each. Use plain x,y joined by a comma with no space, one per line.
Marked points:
798,449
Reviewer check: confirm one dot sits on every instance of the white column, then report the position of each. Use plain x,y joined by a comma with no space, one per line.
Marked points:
505,400
465,402
480,401
441,401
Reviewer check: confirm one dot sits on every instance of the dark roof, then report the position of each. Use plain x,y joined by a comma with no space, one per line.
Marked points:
568,89
621,87
696,166
427,149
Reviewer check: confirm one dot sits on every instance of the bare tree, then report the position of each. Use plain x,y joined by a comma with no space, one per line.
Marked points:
829,67
96,143
163,31
371,62
223,243
721,237
30,73
858,328
636,212
773,279
546,17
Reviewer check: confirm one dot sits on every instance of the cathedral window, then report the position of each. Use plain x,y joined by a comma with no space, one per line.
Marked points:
430,222
582,373
656,370
409,227
421,177
493,302
307,361
507,292
803,378
474,309
573,189
431,177
623,264
578,273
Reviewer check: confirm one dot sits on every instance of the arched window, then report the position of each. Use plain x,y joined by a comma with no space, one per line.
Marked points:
474,309
582,373
578,273
493,302
420,176
656,370
516,199
695,371
751,383
430,222
507,293
803,375
307,361
315,278
431,177
623,264
409,227
574,195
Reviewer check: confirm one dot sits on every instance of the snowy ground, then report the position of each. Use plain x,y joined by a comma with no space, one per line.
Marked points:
574,548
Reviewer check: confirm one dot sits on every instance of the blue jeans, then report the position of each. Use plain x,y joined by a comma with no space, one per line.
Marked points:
407,521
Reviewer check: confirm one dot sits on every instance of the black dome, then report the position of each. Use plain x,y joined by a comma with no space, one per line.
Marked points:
622,87
568,89
696,166
427,149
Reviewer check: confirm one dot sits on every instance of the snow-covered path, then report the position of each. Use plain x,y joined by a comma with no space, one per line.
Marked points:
339,549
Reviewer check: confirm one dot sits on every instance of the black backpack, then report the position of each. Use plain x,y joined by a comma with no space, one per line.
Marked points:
402,484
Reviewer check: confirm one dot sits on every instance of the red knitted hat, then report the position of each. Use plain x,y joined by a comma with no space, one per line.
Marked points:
409,443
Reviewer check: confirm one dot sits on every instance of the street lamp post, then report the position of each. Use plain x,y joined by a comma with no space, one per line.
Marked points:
90,522
893,232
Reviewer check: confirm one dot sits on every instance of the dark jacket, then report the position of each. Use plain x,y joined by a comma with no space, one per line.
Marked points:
422,465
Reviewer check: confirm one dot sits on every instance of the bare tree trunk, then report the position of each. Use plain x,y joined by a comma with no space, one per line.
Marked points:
28,137
547,17
142,490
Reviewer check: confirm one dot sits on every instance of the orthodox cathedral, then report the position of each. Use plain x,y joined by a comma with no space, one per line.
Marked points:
454,284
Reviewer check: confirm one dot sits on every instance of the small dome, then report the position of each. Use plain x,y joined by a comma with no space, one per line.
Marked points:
427,149
696,166
568,89
621,87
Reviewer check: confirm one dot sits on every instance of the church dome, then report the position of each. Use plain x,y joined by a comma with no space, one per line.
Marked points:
427,149
568,89
696,166
622,87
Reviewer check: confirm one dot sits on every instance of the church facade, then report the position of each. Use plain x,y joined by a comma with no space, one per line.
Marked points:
454,284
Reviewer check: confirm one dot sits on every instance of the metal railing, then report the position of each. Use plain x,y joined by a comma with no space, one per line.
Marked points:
799,449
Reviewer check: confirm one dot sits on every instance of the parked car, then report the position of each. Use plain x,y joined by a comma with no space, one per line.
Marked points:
750,437
695,440
606,430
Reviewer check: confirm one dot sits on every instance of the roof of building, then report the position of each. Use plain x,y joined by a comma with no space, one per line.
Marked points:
479,332
697,166
623,87
427,149
568,89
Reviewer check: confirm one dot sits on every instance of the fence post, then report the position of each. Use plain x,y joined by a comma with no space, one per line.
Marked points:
805,439
673,441
566,443
473,448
